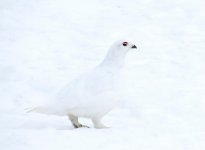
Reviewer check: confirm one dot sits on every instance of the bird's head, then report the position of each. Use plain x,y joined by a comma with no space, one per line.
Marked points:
117,53
127,45
124,45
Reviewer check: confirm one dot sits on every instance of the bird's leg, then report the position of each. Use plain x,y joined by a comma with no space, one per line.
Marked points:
98,124
74,121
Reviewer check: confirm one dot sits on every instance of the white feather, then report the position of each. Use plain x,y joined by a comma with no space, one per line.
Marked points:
92,94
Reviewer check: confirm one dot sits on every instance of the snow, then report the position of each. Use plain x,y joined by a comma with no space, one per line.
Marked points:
46,43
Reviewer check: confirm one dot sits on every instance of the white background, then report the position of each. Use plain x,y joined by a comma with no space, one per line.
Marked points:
44,44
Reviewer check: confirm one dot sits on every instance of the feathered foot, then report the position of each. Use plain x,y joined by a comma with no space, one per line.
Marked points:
74,121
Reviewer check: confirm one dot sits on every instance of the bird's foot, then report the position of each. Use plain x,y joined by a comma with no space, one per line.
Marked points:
98,124
75,122
80,126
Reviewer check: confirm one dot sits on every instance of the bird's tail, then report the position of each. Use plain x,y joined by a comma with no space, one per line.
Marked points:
39,109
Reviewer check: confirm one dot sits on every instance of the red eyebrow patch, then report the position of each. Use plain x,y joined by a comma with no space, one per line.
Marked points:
124,43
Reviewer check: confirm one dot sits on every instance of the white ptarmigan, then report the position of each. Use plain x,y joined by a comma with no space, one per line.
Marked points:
91,95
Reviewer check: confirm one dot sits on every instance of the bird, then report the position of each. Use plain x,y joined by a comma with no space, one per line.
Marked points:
91,95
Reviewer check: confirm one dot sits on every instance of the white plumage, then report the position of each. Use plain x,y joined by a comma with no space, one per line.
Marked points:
91,95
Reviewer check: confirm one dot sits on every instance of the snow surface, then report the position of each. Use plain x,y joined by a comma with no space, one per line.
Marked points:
46,43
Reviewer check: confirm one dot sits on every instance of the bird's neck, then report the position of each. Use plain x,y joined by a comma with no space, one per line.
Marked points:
114,59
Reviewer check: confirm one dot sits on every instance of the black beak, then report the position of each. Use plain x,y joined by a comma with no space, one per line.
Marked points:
134,46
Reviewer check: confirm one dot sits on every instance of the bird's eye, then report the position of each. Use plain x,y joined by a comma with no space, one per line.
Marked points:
124,43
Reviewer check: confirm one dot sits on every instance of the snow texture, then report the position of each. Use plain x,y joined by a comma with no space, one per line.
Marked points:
46,43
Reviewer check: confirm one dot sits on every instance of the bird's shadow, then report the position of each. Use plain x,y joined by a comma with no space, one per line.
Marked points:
42,122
